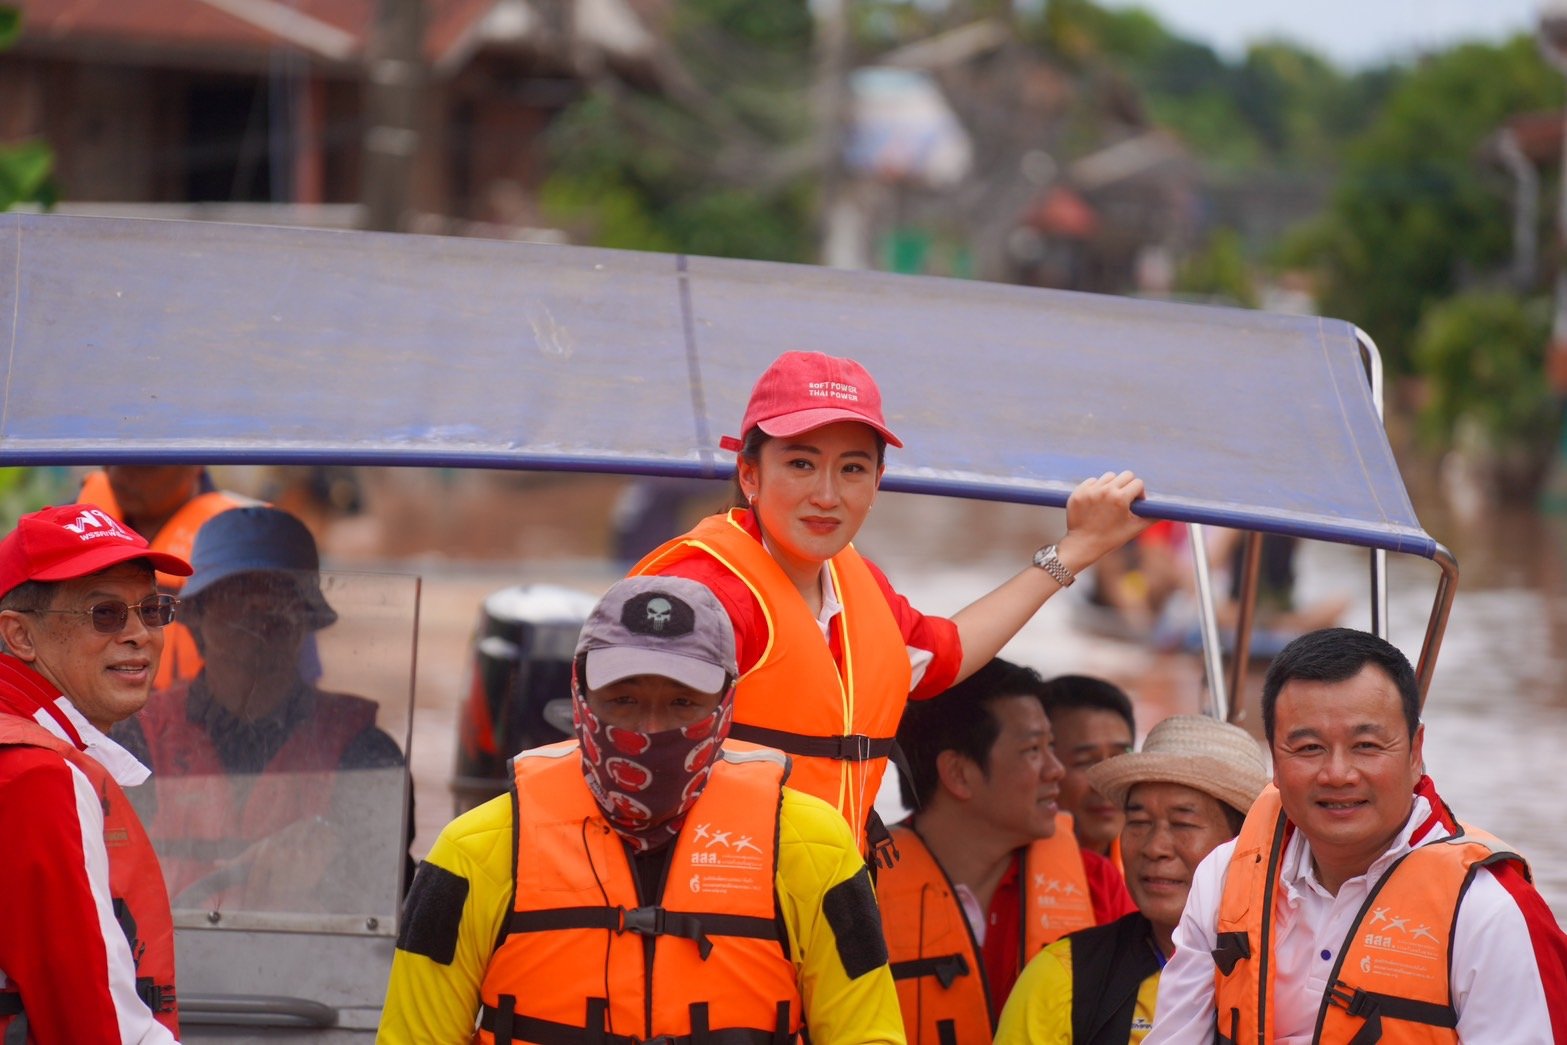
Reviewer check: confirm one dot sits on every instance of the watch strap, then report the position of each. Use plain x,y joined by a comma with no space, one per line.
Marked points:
1047,560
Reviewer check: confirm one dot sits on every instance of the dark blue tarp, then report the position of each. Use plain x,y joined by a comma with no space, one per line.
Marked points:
161,341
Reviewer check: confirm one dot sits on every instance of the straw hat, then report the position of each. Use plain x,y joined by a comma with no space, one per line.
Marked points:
1199,752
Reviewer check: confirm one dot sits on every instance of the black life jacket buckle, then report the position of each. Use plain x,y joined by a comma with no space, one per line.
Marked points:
1232,948
649,921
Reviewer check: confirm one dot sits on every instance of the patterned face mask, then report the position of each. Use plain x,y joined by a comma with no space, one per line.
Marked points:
645,783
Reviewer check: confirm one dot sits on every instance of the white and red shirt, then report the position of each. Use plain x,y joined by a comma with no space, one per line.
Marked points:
1507,970
59,930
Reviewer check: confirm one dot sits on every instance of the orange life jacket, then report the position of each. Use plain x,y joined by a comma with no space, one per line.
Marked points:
180,658
572,964
837,728
141,905
1391,981
196,827
936,961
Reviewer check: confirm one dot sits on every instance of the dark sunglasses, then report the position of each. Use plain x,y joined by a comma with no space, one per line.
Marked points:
109,617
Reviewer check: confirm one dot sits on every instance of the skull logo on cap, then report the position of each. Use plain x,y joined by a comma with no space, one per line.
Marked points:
658,613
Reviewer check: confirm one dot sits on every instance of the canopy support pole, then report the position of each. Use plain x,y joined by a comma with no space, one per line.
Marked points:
1212,646
1441,608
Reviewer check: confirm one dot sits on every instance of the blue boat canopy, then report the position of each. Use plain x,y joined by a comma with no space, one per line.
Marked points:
150,341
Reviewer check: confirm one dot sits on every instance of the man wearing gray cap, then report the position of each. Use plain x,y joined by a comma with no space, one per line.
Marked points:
1185,793
650,879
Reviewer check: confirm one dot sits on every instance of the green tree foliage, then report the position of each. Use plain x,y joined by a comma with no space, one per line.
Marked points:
1218,272
1414,210
1483,356
716,161
25,168
1281,104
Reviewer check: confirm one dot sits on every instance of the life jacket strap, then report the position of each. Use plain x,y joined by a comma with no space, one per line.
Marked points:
852,747
159,997
946,968
1374,1007
648,921
549,1032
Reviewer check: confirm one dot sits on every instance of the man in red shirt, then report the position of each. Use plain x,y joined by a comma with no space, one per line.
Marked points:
990,870
87,940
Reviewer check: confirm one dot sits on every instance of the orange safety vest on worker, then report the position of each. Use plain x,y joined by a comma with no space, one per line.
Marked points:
141,905
177,537
199,826
837,728
571,964
934,956
1391,980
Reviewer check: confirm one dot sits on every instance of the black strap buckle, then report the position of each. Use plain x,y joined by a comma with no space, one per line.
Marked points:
950,968
1353,1000
159,997
1232,947
649,921
853,747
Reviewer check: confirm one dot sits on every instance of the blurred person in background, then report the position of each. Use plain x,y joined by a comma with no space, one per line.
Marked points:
1186,792
228,748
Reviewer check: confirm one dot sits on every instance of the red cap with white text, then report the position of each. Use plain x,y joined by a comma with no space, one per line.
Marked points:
74,540
806,390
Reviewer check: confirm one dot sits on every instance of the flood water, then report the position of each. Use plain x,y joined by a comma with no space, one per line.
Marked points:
1496,715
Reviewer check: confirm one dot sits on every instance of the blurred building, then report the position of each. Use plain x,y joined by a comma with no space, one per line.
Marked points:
973,154
255,109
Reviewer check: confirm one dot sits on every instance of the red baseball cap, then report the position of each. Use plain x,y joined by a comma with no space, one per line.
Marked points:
805,390
74,540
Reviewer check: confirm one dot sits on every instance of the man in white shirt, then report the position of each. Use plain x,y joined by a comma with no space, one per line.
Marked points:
1353,901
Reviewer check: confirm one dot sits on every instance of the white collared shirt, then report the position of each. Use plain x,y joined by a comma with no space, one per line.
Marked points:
124,767
919,659
1495,983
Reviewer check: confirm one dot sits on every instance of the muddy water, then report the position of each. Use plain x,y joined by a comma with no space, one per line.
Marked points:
1497,712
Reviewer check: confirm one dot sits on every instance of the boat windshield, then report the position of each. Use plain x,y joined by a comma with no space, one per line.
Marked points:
280,788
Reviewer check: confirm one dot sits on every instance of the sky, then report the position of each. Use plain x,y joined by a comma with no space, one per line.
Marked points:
1351,33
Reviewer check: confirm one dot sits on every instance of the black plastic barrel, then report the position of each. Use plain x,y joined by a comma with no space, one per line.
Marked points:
519,683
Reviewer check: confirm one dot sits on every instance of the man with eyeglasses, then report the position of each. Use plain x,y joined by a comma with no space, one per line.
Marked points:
86,940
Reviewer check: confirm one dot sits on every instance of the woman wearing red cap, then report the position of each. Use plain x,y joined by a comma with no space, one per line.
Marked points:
828,651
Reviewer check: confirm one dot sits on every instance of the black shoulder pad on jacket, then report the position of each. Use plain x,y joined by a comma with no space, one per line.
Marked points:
432,913
850,907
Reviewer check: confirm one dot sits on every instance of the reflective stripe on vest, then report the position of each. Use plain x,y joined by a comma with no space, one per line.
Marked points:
719,970
838,727
140,903
1056,900
1391,980
205,814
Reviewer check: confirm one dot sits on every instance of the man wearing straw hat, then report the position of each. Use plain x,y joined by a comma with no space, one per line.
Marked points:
1354,906
1184,793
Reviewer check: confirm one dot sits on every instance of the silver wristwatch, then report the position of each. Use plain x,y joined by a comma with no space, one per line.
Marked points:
1047,560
